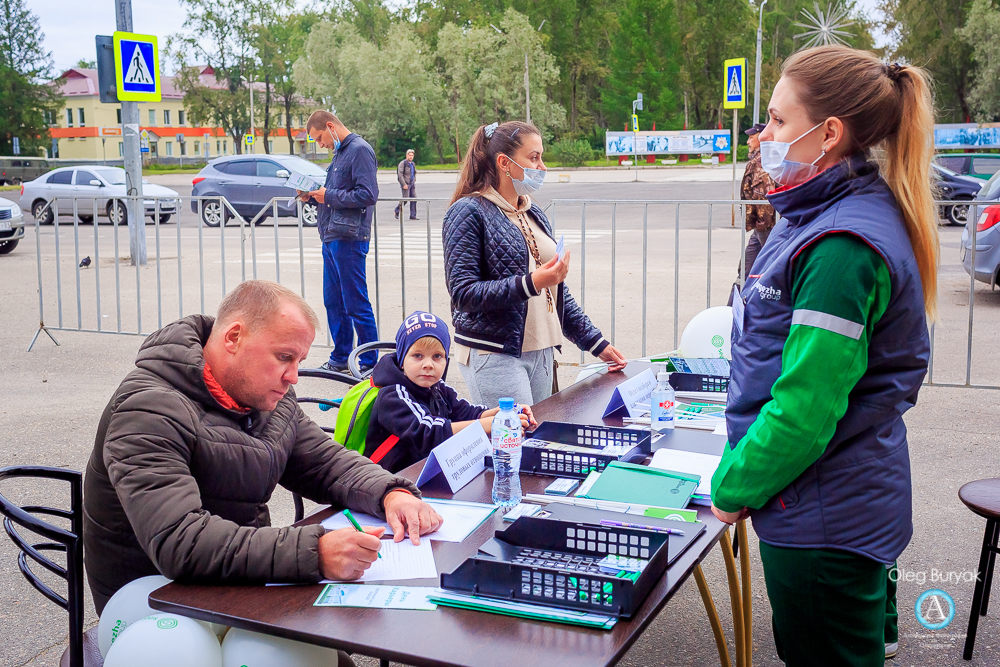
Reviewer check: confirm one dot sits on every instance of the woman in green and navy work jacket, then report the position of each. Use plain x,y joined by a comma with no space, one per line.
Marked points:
830,347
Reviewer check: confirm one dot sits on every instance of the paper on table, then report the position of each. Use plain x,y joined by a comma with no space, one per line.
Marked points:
401,560
460,519
688,462
376,597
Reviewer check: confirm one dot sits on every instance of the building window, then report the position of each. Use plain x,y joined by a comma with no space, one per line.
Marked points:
69,118
183,147
152,117
80,113
118,112
166,116
121,146
170,148
218,147
152,148
270,145
181,117
225,147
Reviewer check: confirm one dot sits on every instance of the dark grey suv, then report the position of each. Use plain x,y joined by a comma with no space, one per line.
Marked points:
249,182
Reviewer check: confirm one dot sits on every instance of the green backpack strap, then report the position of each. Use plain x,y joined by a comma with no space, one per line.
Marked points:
354,414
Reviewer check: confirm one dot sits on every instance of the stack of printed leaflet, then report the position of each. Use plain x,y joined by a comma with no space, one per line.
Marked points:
643,485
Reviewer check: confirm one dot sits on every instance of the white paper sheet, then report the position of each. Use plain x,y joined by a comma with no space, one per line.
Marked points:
460,519
400,561
689,462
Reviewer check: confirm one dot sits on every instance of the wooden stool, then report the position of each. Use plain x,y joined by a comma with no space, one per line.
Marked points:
983,498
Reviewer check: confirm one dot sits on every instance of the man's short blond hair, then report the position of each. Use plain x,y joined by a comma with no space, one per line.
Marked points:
257,302
319,119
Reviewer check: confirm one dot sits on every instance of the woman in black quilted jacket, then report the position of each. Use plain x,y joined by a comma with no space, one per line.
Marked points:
509,303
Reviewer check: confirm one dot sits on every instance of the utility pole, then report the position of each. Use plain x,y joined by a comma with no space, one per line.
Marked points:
756,78
527,89
132,157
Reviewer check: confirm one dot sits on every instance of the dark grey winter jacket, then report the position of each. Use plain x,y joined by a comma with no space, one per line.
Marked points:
488,270
178,485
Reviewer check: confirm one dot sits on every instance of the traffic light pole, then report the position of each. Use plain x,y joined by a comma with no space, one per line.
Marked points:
132,156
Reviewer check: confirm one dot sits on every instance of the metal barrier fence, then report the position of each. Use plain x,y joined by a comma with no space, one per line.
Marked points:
646,286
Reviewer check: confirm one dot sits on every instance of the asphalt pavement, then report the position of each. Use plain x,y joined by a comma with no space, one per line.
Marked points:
52,397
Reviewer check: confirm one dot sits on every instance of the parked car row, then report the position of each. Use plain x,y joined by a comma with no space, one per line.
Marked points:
11,225
103,185
249,182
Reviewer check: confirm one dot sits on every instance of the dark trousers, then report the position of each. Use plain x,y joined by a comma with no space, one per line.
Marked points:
828,607
345,295
411,192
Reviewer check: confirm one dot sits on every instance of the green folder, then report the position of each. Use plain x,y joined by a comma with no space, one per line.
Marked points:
641,485
522,610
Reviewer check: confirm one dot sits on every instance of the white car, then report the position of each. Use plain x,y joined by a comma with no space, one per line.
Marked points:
106,185
11,225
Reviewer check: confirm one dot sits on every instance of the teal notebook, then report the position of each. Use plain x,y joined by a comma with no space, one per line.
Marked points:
641,485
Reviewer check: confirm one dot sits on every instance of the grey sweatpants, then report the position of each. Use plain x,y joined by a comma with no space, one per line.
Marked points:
491,377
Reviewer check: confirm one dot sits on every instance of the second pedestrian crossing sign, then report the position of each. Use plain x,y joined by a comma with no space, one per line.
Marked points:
137,69
736,84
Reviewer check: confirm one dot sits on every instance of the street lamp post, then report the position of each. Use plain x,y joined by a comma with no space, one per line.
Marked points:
253,146
756,78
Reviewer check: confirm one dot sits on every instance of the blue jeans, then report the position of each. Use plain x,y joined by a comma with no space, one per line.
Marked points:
345,295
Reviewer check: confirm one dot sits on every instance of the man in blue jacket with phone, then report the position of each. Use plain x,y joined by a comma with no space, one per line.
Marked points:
346,204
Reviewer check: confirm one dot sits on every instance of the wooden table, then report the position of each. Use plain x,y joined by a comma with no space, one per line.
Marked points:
451,636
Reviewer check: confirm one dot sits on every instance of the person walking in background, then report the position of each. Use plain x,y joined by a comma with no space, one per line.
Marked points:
509,303
756,184
346,204
406,174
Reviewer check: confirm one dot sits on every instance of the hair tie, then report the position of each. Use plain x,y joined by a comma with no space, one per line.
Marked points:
893,71
490,129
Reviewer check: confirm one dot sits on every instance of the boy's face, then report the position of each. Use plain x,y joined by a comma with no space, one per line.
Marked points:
425,362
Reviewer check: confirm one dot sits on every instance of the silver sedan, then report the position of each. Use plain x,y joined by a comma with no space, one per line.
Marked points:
11,225
90,184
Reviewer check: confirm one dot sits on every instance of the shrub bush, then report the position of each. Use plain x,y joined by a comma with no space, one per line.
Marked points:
572,153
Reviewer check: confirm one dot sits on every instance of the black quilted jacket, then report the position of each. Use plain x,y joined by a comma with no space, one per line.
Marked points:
487,266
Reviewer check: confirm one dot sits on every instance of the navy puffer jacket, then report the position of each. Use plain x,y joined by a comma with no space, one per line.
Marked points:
488,270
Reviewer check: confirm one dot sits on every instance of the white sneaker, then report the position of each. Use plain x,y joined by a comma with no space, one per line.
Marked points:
891,649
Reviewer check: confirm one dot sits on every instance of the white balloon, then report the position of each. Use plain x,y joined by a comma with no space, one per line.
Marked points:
127,606
242,648
165,640
708,334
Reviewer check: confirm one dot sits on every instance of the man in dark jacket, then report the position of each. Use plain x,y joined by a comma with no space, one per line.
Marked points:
346,205
406,174
193,443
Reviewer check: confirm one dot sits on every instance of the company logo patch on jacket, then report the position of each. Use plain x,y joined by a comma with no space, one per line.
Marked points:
768,292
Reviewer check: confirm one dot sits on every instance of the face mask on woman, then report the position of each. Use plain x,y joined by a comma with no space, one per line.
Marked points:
787,172
532,181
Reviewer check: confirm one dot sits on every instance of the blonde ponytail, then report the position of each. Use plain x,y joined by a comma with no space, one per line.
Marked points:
886,108
908,155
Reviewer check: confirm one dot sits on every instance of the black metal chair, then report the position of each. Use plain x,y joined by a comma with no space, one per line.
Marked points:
59,539
352,360
983,498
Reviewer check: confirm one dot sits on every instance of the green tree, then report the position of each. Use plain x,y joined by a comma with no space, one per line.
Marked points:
981,32
219,35
643,58
280,44
925,33
27,101
389,95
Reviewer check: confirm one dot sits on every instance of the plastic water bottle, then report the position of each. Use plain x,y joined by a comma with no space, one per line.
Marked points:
506,437
662,402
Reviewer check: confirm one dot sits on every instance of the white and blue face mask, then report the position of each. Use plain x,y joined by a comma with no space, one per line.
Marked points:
787,172
532,181
336,140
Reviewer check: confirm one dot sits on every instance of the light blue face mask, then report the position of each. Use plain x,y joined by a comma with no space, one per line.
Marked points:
532,181
336,140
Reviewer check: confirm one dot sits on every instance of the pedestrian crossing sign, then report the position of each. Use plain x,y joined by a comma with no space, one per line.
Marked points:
137,68
736,84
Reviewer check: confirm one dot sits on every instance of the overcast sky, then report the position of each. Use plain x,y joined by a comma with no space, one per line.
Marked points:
69,32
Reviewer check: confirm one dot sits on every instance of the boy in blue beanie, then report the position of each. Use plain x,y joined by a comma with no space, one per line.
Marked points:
415,411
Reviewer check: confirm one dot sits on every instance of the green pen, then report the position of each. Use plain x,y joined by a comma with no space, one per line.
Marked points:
354,522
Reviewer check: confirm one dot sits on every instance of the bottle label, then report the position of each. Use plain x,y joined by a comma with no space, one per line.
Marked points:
506,439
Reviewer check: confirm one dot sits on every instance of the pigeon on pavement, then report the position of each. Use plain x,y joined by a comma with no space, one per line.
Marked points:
85,262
